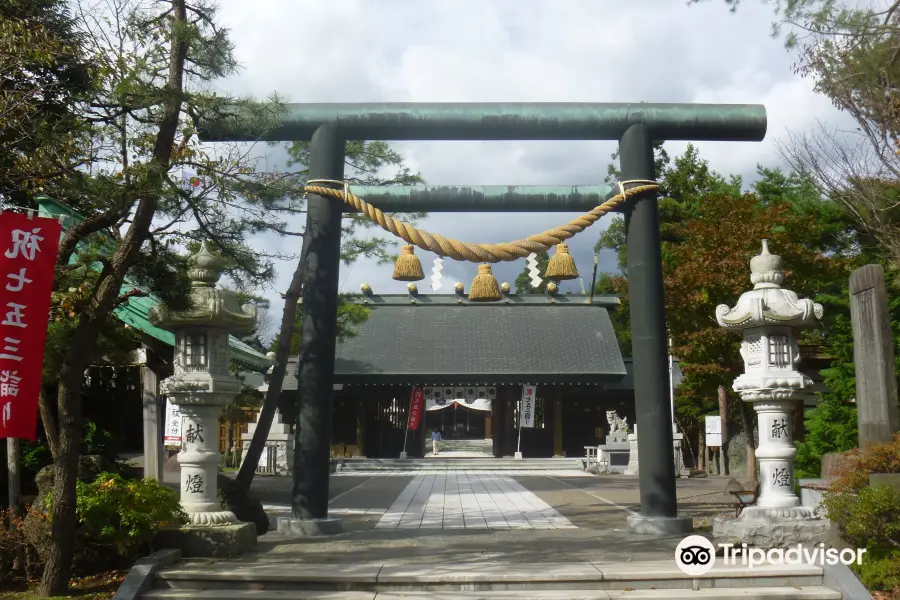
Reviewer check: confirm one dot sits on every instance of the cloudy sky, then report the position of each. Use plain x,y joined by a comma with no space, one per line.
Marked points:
517,51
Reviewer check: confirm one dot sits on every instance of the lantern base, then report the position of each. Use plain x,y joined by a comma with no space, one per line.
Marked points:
221,541
660,525
290,526
791,513
773,533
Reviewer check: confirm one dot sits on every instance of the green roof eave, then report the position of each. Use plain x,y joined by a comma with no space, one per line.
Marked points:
136,312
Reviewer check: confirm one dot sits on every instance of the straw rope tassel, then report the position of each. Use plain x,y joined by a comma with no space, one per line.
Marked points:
408,266
561,265
484,286
478,253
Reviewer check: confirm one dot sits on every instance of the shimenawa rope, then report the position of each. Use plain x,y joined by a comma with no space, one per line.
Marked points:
478,253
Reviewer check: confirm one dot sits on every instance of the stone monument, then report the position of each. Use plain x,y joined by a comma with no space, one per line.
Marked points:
200,386
633,467
615,452
873,356
279,450
769,317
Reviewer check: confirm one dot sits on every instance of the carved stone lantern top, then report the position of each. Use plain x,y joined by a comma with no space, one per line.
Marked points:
768,303
210,306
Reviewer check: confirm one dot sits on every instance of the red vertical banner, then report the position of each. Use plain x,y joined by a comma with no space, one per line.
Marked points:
28,248
416,404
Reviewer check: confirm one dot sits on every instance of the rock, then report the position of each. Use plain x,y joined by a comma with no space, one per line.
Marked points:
88,469
245,506
834,463
737,455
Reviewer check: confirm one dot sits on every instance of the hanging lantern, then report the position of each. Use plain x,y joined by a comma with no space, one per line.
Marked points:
561,265
408,267
484,286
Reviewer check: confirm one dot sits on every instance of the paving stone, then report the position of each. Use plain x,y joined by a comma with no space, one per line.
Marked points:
470,500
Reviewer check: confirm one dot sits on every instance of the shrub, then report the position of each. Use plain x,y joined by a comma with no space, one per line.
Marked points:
123,516
18,558
879,458
12,545
869,517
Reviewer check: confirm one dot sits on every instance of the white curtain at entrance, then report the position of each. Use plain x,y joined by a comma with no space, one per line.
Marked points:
476,398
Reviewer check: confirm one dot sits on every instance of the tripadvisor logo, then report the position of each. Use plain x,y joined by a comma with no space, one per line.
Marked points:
696,555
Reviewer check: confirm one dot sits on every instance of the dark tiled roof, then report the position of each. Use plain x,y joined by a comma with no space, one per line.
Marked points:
530,340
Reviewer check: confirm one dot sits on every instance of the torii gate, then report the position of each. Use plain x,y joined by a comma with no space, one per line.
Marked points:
634,126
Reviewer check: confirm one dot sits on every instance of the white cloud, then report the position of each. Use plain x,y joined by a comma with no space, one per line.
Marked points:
509,50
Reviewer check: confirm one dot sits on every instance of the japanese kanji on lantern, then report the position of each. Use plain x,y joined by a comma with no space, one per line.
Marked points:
28,248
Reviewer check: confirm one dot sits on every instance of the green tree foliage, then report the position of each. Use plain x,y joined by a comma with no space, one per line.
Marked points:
620,317
523,281
44,75
682,184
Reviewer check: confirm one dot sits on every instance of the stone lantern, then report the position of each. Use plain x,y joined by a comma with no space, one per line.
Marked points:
770,317
201,384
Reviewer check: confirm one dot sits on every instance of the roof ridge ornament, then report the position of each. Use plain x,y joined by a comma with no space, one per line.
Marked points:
205,267
766,269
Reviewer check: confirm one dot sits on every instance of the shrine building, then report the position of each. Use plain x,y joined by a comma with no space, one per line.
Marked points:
472,359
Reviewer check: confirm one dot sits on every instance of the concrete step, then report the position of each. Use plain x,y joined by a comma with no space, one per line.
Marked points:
757,593
485,577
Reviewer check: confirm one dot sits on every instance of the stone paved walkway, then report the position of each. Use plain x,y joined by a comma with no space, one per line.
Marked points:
469,500
511,472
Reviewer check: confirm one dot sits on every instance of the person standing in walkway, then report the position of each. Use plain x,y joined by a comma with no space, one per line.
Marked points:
435,438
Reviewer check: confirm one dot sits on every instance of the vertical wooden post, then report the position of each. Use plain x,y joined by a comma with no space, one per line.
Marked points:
498,409
152,418
701,446
510,423
361,426
14,480
873,355
722,461
557,427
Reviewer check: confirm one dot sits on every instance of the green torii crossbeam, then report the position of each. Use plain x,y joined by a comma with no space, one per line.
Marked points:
635,126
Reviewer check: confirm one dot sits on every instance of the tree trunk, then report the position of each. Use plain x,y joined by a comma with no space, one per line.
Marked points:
282,354
723,414
686,440
55,581
49,422
747,422
701,446
14,480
